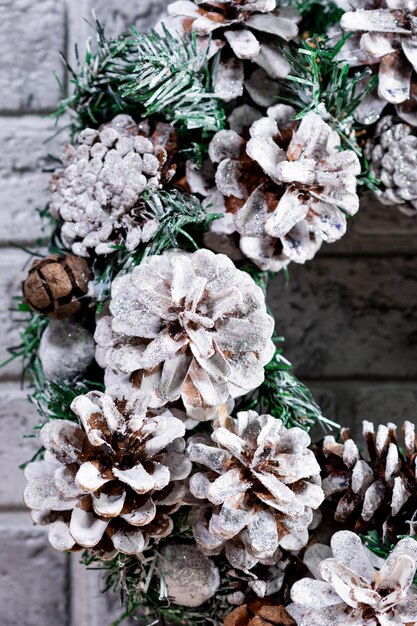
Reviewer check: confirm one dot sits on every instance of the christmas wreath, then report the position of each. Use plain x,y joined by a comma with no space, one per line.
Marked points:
178,451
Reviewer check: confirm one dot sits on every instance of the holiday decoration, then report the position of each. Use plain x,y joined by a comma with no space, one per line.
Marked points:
242,31
190,578
110,482
351,591
285,190
263,483
66,350
189,326
99,193
377,492
57,286
392,154
179,454
388,38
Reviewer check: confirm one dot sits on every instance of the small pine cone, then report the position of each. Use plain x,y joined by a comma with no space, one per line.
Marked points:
379,492
259,613
99,192
57,286
392,154
285,190
261,484
111,481
245,31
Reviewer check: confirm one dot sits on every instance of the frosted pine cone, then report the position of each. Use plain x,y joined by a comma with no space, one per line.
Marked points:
263,484
379,492
351,592
392,153
190,326
244,30
98,194
110,482
284,192
389,37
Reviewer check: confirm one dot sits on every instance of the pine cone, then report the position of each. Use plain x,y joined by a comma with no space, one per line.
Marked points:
379,492
259,613
110,482
190,326
389,37
263,484
392,153
284,192
351,592
244,30
57,286
99,192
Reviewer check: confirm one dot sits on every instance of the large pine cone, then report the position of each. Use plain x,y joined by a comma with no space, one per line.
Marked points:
261,484
379,492
189,326
111,482
57,286
392,153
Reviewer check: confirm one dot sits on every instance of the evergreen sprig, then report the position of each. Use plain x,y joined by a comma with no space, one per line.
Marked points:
33,325
171,76
286,398
179,215
142,75
53,399
321,83
142,594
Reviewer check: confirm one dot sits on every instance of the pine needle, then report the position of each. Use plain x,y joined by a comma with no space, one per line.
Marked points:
179,215
284,397
142,75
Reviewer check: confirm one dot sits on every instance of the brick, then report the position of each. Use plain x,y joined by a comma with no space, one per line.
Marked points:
20,196
31,36
377,229
33,578
349,317
89,606
27,144
17,418
120,17
14,264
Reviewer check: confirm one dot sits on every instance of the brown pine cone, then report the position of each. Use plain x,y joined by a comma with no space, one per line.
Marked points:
57,286
376,491
259,613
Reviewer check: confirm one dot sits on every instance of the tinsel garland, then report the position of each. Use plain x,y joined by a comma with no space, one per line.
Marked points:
176,450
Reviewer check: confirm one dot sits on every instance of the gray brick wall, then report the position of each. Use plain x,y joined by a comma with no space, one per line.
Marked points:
349,318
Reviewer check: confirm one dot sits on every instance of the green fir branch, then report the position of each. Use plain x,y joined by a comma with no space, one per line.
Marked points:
142,595
180,217
171,76
142,75
320,83
286,398
53,399
33,326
